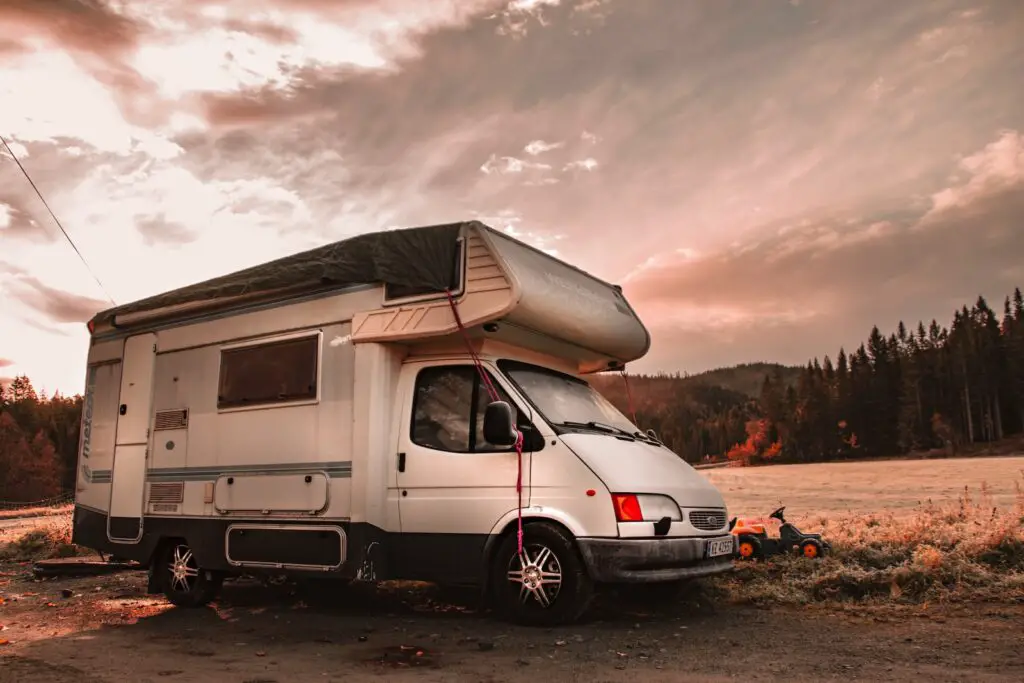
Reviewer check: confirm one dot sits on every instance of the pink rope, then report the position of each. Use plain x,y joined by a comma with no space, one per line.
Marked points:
493,394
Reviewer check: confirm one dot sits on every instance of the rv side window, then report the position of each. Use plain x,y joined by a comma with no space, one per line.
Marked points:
448,409
277,372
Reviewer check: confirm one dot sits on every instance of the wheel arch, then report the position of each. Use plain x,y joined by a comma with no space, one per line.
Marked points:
158,549
509,525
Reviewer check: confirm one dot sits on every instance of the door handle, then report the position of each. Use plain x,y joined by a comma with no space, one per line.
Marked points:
401,462
123,409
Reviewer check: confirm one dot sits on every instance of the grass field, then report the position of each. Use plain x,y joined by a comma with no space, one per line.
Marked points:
900,487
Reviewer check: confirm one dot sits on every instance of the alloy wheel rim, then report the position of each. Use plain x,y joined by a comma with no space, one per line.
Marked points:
184,569
537,573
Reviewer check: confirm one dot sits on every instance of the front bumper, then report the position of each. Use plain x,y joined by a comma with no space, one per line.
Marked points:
636,560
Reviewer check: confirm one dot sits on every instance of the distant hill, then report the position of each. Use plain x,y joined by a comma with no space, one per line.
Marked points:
745,378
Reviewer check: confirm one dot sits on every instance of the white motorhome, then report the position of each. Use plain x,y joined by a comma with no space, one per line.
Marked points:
324,414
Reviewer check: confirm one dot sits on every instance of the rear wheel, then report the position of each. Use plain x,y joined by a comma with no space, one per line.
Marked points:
812,548
184,582
545,585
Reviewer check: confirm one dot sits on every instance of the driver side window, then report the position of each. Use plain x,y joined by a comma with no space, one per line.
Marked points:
448,409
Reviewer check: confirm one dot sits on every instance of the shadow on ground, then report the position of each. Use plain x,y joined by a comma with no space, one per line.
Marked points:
110,631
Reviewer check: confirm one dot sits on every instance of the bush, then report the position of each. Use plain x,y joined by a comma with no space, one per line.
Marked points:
50,537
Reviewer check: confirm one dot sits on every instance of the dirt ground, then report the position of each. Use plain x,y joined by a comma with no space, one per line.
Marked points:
88,630
897,486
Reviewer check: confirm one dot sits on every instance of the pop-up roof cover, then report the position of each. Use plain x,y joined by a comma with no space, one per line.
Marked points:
407,261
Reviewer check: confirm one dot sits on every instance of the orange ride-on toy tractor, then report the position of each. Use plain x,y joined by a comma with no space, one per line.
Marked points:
753,542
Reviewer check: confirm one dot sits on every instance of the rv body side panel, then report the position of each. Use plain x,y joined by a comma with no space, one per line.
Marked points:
374,507
374,444
226,478
227,459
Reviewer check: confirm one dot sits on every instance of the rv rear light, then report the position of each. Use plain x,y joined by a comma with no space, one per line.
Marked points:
627,507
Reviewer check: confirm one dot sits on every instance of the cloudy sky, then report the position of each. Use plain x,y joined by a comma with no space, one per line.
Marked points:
767,179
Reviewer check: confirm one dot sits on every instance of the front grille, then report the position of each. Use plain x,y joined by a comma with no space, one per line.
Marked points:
708,520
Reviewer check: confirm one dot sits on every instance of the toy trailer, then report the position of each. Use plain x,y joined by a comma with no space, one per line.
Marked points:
328,414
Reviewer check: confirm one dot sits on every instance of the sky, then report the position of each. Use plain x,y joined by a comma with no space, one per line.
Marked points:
766,179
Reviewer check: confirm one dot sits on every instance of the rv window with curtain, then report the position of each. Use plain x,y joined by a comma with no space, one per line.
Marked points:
276,372
448,409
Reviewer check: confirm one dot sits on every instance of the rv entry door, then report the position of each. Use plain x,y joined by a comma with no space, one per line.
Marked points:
128,485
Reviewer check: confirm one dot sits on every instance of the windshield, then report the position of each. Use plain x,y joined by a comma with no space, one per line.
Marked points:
564,400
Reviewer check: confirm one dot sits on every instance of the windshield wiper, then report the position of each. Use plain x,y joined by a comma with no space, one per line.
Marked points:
599,426
647,438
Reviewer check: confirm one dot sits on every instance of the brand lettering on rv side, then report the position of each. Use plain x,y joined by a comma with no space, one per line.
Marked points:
90,393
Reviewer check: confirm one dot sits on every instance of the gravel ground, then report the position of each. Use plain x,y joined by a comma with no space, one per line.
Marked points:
88,630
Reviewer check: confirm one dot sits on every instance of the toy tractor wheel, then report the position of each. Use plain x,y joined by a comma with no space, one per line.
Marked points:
748,547
812,548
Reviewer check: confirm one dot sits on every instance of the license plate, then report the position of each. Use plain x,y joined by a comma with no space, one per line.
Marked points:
721,546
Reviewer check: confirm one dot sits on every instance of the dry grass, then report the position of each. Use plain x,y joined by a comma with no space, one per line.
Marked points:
971,549
42,538
36,512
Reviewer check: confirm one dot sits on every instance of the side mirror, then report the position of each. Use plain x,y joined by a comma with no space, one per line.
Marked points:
498,428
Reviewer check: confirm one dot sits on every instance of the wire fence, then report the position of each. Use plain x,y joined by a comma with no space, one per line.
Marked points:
57,501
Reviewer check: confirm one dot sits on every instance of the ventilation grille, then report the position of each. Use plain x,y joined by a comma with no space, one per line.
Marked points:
171,419
166,492
708,520
164,507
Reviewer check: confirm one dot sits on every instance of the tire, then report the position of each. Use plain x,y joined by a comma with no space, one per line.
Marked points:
519,599
184,582
812,549
749,547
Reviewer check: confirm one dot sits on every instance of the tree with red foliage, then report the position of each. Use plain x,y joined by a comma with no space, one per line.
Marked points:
758,449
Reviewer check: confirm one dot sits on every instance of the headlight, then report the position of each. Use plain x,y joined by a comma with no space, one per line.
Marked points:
644,507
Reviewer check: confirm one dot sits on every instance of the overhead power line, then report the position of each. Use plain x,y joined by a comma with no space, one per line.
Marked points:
55,219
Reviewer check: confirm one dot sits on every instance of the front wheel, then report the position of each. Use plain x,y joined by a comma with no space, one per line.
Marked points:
547,584
749,547
184,582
